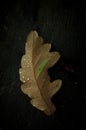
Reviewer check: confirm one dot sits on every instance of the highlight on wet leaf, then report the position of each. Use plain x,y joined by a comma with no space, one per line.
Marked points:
34,73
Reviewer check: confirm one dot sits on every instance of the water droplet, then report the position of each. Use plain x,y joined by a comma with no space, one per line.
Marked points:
23,77
24,81
24,59
20,72
27,78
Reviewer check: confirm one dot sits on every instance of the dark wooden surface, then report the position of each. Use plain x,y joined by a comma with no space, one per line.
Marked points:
62,24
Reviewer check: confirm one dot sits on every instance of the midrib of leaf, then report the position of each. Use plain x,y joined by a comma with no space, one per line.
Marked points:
42,93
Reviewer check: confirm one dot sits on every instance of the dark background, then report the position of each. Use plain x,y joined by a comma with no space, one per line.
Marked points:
62,23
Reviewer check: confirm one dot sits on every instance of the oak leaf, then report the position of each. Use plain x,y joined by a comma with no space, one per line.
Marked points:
34,75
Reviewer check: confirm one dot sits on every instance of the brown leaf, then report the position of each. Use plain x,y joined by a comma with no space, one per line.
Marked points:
34,75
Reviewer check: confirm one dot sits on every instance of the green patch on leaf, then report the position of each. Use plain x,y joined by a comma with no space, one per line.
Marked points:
40,67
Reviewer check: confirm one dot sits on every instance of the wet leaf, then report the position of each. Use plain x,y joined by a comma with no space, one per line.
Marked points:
33,73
